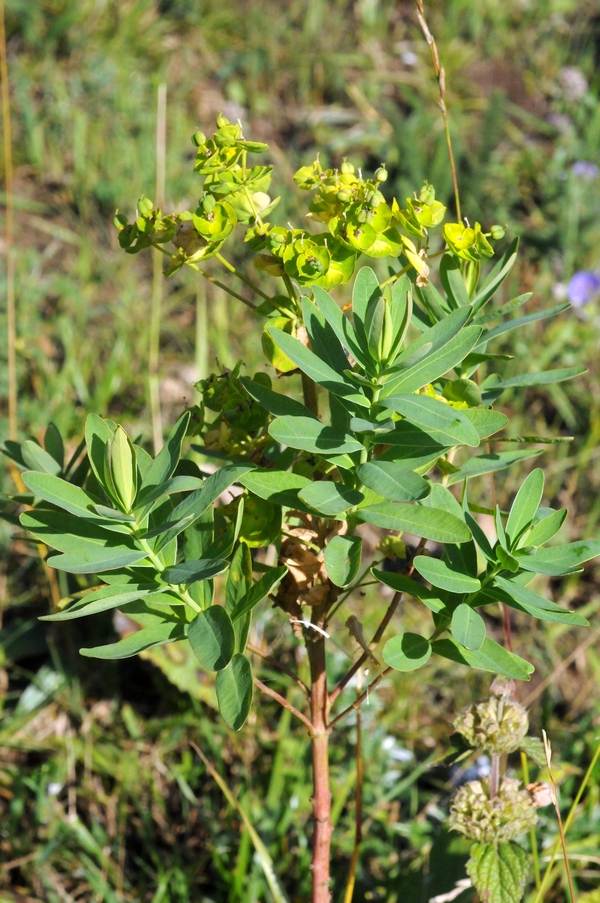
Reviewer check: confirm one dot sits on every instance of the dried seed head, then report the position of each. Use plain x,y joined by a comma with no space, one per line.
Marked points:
484,820
497,725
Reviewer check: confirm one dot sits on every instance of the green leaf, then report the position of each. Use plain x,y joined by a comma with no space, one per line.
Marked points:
94,559
453,282
278,486
310,435
65,495
508,562
340,324
190,509
323,339
36,458
393,481
212,638
533,748
97,436
486,422
315,368
543,378
163,466
258,591
482,464
411,447
53,444
234,691
430,523
525,505
330,498
275,402
439,574
401,584
496,276
558,560
480,537
499,871
137,642
342,559
504,309
441,497
190,571
68,533
406,652
546,528
490,657
445,424
468,627
450,343
366,289
147,497
104,599
519,322
537,606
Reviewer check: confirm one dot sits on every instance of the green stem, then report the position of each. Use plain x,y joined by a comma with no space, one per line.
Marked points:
160,567
240,275
222,285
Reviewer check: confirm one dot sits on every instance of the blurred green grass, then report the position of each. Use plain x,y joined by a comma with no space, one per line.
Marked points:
100,796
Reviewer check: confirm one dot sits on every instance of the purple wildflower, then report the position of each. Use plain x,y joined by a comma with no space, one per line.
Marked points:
585,170
583,287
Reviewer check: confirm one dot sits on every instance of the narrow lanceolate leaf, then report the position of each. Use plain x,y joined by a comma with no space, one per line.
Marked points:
163,466
97,436
519,322
275,402
323,339
138,642
65,495
265,585
439,574
212,638
234,691
543,378
468,627
546,528
490,657
277,486
96,559
499,871
430,523
310,435
453,282
104,599
393,482
558,560
239,581
330,498
482,464
190,509
497,276
445,424
486,422
190,571
366,290
342,559
406,652
339,323
525,505
37,458
317,369
67,533
521,597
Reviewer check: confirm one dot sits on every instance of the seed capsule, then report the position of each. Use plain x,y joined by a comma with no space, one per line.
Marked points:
145,206
344,196
347,169
222,121
381,174
497,232
198,139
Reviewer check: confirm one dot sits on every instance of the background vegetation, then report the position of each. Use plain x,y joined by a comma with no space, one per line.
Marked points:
101,796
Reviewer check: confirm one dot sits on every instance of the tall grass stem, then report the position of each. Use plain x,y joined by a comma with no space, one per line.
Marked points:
11,313
157,275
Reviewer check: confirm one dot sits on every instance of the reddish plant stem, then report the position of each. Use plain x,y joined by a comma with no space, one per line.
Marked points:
284,702
280,666
319,710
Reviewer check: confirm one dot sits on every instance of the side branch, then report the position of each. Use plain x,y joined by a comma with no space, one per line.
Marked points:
280,666
364,657
359,701
284,702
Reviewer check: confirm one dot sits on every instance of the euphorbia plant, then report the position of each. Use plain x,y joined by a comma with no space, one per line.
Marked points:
397,395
